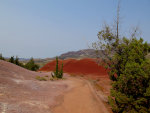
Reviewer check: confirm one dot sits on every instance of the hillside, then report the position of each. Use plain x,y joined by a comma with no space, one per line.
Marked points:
20,92
39,61
84,66
9,70
85,53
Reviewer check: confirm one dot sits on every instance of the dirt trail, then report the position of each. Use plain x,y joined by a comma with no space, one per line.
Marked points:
81,99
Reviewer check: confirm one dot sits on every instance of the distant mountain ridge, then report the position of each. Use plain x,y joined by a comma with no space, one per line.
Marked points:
85,53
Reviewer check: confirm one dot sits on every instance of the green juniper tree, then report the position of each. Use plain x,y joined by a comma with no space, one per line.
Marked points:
128,68
12,60
1,57
16,61
31,65
131,76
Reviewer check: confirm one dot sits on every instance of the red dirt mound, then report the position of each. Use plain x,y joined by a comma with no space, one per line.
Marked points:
82,67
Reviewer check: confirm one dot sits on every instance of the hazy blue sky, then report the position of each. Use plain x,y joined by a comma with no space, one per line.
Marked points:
46,28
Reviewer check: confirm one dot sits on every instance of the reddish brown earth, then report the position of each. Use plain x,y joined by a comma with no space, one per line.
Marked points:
81,67
82,98
20,92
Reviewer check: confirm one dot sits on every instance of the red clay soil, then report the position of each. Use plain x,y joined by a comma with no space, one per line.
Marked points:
81,67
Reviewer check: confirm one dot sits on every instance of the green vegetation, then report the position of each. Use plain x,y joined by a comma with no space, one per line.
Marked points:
58,73
31,65
15,61
131,86
38,61
128,69
1,57
41,78
11,60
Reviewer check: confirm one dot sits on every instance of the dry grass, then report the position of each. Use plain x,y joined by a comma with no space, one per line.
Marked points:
41,78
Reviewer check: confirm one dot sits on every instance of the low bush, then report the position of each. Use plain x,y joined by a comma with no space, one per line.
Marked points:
58,73
41,78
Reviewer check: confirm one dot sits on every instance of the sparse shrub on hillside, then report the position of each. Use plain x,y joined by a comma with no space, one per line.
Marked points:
15,61
58,73
12,60
46,76
31,65
41,78
1,57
